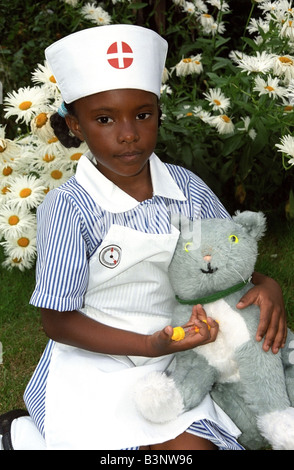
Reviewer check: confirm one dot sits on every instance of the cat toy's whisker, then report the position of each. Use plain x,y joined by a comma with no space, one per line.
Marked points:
244,280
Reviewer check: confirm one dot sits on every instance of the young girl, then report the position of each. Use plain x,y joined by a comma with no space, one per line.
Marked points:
105,240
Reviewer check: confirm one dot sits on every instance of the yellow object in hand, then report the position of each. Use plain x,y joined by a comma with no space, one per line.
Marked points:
179,332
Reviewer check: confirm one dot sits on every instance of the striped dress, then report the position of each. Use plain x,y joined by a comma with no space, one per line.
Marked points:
71,226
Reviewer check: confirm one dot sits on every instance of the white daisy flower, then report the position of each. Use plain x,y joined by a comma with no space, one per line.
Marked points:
217,99
24,263
189,66
165,75
199,112
55,174
95,14
189,7
283,66
269,87
261,63
9,149
251,132
21,246
43,76
206,20
220,5
24,103
14,220
216,28
73,3
38,158
166,89
26,191
41,127
52,146
7,171
287,30
287,146
257,24
290,94
5,187
72,155
201,6
223,123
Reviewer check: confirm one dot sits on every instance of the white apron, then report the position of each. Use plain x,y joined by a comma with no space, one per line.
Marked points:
89,396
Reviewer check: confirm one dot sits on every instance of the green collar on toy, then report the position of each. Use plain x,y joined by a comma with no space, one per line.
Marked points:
216,296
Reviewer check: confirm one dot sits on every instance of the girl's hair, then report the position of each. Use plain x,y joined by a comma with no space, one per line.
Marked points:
61,129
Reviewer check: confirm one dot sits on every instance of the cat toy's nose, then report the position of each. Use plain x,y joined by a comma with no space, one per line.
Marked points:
207,258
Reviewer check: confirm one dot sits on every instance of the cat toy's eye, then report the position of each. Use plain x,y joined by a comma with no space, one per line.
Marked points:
234,239
187,245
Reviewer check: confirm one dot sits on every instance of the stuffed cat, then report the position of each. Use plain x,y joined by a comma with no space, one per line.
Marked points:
255,388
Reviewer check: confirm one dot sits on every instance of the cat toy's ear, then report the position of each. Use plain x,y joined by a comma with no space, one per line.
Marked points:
253,222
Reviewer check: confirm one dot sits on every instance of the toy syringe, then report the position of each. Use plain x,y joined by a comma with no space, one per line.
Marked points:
179,332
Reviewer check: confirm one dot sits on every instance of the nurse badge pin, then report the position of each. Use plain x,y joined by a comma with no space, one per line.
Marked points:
110,256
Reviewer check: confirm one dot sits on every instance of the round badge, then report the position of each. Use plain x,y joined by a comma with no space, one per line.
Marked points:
120,55
110,256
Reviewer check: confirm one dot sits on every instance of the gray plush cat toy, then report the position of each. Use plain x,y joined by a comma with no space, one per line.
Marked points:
255,388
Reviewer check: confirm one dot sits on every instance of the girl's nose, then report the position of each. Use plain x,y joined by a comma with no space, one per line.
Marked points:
128,133
207,258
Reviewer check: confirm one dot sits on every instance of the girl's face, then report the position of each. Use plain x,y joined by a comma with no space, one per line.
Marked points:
120,128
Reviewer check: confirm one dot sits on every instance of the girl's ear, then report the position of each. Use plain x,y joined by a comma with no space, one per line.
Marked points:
74,126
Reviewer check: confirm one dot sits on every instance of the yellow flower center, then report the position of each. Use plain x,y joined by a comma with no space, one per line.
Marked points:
17,260
25,105
25,192
52,140
288,108
269,88
7,171
52,79
189,114
286,60
13,220
186,61
3,145
76,156
56,174
217,102
41,120
5,190
48,158
23,242
225,118
206,15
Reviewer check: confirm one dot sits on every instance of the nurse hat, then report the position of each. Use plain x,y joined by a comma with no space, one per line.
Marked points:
105,58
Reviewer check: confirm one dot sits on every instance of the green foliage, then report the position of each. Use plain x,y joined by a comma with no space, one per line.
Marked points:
244,172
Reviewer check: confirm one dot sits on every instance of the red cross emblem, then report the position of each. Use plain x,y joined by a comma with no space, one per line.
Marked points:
120,55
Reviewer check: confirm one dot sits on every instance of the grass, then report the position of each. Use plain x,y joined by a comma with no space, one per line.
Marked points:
21,332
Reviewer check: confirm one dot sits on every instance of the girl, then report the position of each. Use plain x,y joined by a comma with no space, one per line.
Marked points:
105,240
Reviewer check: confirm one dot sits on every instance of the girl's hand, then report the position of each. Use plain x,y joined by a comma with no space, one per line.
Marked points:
161,343
267,294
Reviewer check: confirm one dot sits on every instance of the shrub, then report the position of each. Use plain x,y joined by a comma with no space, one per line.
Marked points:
227,104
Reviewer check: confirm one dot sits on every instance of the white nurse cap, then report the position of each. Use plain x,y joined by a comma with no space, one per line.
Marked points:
106,58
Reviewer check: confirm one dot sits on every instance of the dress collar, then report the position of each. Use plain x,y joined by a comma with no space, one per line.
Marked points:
111,197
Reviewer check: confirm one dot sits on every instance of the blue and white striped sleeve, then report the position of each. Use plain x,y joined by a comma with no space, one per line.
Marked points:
62,266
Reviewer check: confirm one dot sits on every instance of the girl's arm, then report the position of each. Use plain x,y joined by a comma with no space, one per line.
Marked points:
76,329
267,294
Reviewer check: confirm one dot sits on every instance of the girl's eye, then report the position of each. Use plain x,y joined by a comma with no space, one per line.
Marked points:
104,120
142,116
234,239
